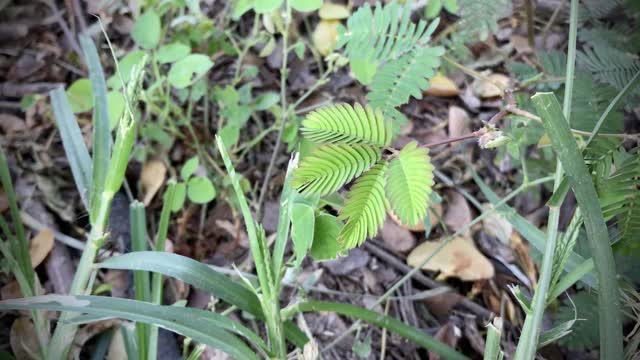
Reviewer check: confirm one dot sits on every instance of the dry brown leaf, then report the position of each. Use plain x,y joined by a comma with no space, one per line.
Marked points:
331,11
522,253
10,124
459,122
442,86
458,213
459,258
488,89
10,291
24,343
448,334
435,212
396,237
497,225
40,246
325,36
152,177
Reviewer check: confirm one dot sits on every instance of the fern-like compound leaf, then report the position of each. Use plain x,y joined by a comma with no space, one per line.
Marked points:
610,66
331,166
364,209
403,78
409,183
344,124
374,37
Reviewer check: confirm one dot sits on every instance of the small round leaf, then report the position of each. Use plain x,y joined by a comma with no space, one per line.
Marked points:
200,190
186,71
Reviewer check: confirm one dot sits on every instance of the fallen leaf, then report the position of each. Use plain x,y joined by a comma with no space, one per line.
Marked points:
522,253
397,238
435,212
11,123
488,89
152,177
355,259
24,343
459,122
40,246
459,258
442,86
497,225
458,213
325,36
521,44
331,11
448,334
10,291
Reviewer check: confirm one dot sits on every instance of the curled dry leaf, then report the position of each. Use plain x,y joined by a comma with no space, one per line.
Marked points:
459,122
151,178
435,212
442,86
497,226
459,258
486,89
325,36
40,246
24,343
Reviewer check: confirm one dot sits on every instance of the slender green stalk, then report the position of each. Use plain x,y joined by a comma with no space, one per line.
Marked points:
528,343
492,348
284,223
269,299
140,278
579,177
156,281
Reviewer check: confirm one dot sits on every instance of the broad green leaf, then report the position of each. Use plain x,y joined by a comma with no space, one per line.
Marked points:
240,7
200,190
201,325
433,9
265,6
409,182
451,6
179,196
186,71
298,48
80,95
189,168
201,276
116,105
172,52
302,230
125,64
305,5
266,100
325,238
146,30
229,135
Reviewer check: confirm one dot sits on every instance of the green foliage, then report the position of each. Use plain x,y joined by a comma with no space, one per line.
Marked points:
200,190
331,166
186,71
305,5
80,95
434,7
584,333
146,30
364,210
327,125
172,52
325,238
479,18
590,100
608,65
391,54
409,182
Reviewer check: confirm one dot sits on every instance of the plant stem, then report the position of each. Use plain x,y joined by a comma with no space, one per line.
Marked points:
473,135
531,329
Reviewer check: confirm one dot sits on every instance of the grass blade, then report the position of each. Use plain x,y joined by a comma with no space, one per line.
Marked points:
492,348
415,335
101,149
579,177
140,278
73,143
204,326
201,276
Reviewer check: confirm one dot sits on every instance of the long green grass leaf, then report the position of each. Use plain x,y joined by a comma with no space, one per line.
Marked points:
573,164
140,278
73,143
101,149
201,276
204,326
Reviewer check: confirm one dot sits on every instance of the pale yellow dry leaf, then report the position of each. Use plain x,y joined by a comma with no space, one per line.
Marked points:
459,122
331,11
152,177
40,246
325,36
488,89
440,85
459,258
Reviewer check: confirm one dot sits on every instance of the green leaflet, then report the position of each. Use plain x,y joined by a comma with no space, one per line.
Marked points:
344,124
364,210
409,182
329,167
